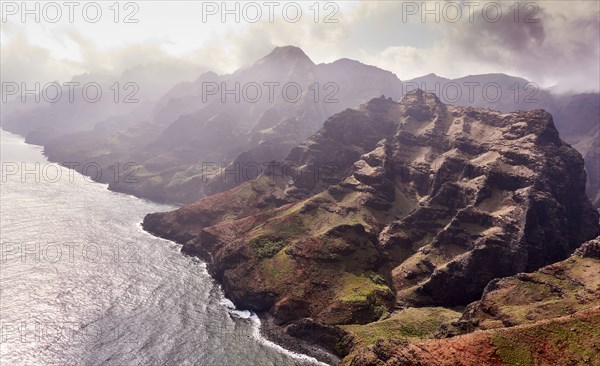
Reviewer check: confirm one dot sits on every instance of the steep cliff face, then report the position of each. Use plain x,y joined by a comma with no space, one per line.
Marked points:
548,317
589,146
169,144
422,204
576,116
557,290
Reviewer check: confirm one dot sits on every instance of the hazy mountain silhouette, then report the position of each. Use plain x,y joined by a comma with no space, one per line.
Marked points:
202,123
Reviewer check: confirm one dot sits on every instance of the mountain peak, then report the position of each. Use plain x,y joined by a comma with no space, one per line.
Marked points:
286,54
419,96
207,76
289,50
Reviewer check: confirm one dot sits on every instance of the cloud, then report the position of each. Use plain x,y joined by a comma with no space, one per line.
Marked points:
560,50
555,49
541,42
153,70
26,62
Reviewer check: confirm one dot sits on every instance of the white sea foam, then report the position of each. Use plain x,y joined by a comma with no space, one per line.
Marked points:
256,335
255,320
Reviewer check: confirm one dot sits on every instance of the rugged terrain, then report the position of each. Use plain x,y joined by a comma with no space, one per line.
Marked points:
395,205
548,317
576,115
165,147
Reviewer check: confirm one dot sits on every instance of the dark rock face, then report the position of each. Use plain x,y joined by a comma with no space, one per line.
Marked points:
589,146
523,312
331,338
576,116
428,203
289,309
590,249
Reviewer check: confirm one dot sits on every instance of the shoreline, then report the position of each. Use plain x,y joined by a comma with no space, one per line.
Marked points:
268,332
276,334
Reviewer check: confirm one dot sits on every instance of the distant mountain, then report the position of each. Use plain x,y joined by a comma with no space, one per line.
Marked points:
197,127
192,126
499,92
395,205
41,121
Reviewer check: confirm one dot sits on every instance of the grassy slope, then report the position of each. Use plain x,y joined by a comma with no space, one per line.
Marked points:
549,317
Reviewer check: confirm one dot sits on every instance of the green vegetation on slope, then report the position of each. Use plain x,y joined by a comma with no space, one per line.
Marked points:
410,324
264,247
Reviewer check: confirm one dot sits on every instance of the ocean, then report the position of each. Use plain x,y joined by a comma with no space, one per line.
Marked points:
82,284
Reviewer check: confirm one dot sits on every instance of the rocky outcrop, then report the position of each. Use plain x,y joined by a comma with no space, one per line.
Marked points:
426,205
548,317
590,249
564,341
557,290
576,116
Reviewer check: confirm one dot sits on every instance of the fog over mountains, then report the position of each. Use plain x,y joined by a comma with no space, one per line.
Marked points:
179,133
300,183
349,208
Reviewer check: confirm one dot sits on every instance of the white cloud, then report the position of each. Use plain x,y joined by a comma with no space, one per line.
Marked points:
561,50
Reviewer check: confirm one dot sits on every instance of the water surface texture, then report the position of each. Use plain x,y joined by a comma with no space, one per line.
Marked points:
83,284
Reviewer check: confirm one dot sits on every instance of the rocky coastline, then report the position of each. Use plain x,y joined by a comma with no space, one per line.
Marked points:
429,203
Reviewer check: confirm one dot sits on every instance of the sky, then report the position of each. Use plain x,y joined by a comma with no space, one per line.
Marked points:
553,43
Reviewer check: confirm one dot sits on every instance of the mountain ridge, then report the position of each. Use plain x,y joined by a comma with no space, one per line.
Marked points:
428,203
261,132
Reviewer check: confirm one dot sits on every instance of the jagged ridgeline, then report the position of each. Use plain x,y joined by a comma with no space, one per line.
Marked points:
196,125
426,205
173,144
